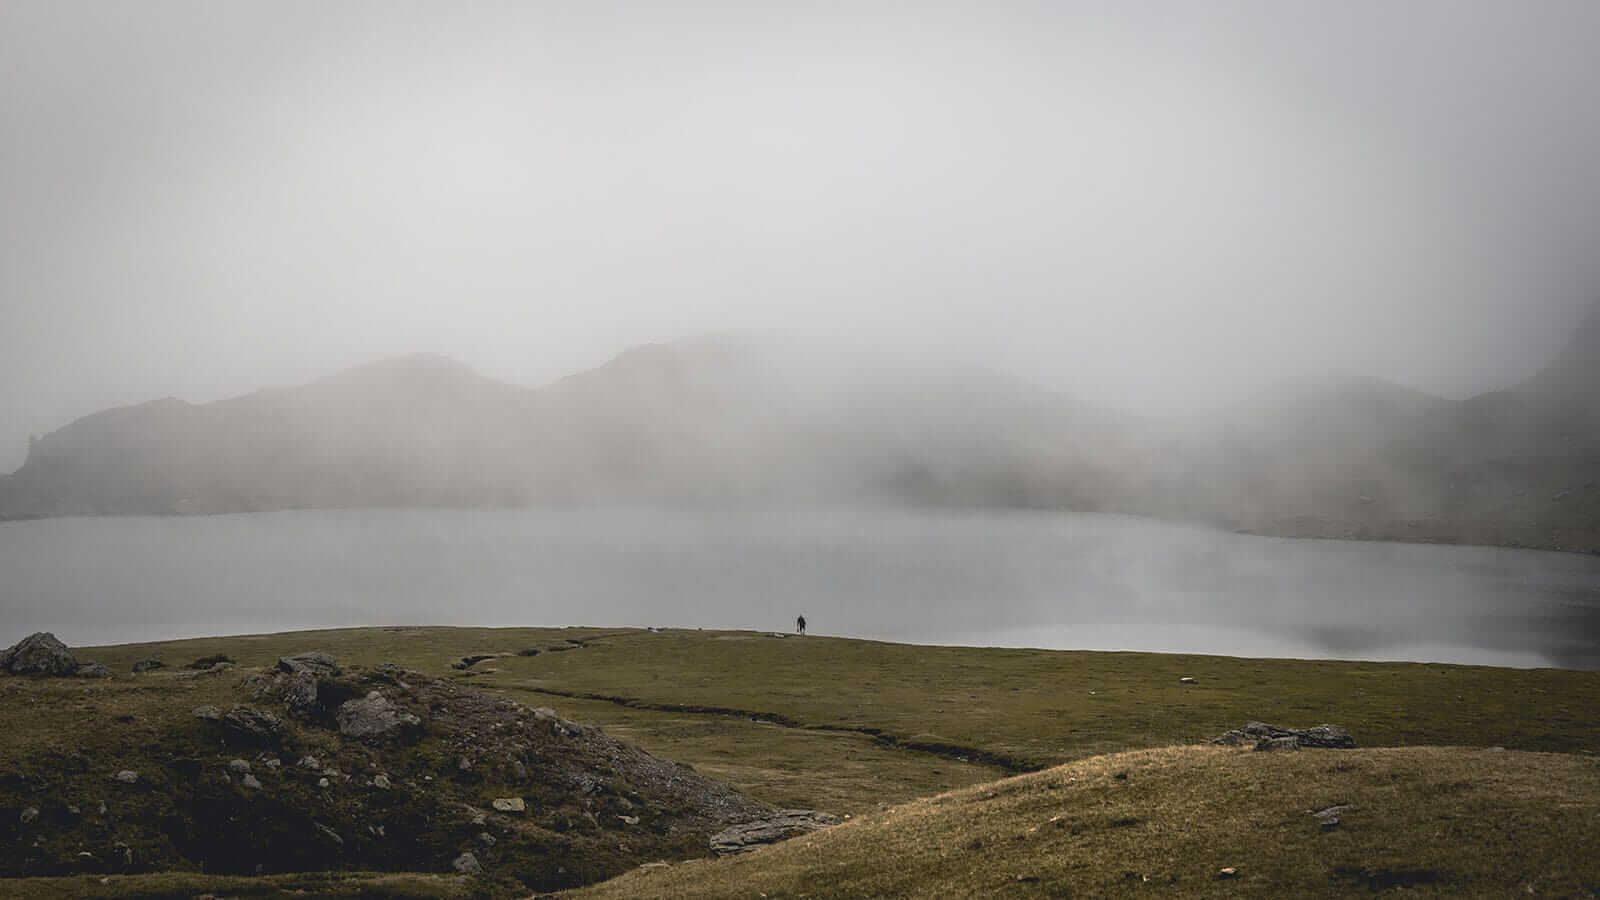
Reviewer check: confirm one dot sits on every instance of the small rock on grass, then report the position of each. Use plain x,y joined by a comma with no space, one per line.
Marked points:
1228,872
29,815
250,781
127,776
467,864
510,804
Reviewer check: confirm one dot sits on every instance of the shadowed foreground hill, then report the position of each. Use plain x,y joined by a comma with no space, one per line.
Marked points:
1440,820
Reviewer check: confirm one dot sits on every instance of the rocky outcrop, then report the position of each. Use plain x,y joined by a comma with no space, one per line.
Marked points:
375,718
314,663
148,665
244,725
785,823
38,654
1266,737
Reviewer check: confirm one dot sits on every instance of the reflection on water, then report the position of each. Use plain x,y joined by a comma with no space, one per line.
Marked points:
1007,579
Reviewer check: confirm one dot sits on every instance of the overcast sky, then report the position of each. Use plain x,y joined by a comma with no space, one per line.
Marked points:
1149,204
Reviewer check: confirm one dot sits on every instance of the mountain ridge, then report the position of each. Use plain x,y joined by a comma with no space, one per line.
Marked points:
731,419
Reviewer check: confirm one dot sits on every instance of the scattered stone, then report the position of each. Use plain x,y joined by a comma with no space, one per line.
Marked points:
629,820
381,782
327,832
1494,750
1329,818
126,776
1270,737
510,805
1228,872
487,838
785,823
208,713
467,662
375,717
324,783
148,665
92,670
274,763
213,669
246,725
467,864
1187,680
239,765
309,762
207,662
39,653
250,781
29,815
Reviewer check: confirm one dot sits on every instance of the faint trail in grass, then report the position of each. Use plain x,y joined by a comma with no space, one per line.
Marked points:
1009,764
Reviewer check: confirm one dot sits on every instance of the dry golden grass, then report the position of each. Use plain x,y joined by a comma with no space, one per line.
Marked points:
1448,820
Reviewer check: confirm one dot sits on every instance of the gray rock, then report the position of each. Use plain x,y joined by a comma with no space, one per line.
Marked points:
148,665
29,815
1187,679
324,783
249,726
309,762
206,663
38,654
467,864
208,713
785,823
250,781
510,805
274,763
313,663
238,765
381,782
126,776
1329,818
1270,737
375,717
92,670
487,838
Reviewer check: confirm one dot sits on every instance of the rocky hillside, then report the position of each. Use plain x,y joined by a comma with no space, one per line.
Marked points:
308,766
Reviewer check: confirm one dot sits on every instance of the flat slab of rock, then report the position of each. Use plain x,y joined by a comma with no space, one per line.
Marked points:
785,823
1270,737
92,670
39,653
375,717
510,805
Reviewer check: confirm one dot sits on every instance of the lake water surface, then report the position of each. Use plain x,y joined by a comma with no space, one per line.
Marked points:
982,578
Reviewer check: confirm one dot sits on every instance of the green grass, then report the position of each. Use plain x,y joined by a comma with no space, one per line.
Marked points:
849,707
1459,822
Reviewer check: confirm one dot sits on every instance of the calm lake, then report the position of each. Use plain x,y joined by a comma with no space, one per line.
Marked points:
981,578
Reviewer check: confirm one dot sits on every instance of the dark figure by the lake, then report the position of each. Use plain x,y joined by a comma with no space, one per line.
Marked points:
800,624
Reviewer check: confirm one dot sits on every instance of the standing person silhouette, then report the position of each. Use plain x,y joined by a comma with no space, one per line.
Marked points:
800,624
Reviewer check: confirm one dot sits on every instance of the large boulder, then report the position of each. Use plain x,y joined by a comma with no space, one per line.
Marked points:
785,823
375,717
38,654
252,727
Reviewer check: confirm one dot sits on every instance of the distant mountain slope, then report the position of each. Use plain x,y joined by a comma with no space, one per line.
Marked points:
738,420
